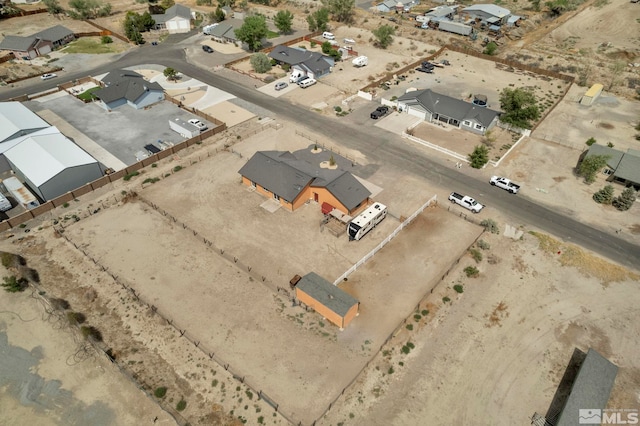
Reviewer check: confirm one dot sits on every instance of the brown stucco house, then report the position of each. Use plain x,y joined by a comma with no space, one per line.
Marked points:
293,182
327,299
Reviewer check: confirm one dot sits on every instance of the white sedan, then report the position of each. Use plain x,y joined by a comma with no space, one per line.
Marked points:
199,124
48,76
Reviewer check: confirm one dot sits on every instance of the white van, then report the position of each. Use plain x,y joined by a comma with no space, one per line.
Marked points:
4,204
308,82
295,76
328,35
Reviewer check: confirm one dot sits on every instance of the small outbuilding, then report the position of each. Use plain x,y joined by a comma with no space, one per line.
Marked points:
592,94
328,300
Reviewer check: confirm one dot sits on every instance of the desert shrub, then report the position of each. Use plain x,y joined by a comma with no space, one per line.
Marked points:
177,168
249,394
417,317
106,40
490,225
151,180
409,327
458,288
405,349
154,165
29,274
471,271
446,299
181,405
390,371
89,331
590,141
160,392
483,245
128,177
625,200
10,260
13,285
476,255
60,304
76,318
424,312
214,383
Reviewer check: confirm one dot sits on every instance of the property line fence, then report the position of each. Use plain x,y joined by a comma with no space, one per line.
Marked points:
450,153
406,222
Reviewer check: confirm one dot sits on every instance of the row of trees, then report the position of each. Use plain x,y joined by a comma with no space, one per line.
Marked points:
622,202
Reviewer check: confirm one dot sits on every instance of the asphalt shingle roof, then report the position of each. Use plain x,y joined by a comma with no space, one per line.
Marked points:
326,293
286,176
313,61
54,33
629,167
450,107
17,43
124,84
224,29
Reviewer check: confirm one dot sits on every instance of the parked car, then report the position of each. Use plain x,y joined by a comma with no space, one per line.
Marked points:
207,49
48,76
349,41
307,82
466,202
504,183
281,85
328,35
381,111
199,124
427,70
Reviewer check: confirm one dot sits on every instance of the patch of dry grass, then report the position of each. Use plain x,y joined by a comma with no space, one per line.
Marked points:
588,264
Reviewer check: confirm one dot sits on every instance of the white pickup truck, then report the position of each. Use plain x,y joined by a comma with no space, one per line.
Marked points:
466,202
504,183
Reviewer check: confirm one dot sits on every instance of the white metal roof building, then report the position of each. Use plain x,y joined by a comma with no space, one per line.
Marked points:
51,165
17,120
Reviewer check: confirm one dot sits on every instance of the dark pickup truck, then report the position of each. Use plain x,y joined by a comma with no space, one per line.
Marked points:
381,111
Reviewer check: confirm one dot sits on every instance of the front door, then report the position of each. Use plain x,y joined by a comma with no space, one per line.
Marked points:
315,197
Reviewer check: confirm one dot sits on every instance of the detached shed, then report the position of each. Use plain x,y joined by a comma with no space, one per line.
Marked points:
326,299
592,94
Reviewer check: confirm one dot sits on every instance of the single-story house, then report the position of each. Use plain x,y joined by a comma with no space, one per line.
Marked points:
336,305
128,87
432,106
622,167
489,14
312,64
590,391
51,164
38,44
293,182
387,6
176,19
224,32
447,12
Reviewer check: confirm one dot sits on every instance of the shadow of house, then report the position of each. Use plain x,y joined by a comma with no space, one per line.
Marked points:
292,182
311,64
432,107
123,87
622,167
38,44
176,19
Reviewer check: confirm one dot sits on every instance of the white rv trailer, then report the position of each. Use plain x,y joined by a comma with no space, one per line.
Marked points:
366,221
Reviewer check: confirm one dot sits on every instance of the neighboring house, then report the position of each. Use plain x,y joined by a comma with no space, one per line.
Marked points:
130,88
293,182
442,12
224,32
489,14
590,391
16,123
327,299
622,167
51,165
432,106
176,19
387,6
312,64
38,44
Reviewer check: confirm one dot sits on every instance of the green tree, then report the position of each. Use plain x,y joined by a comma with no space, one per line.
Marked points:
590,141
318,20
535,4
218,15
230,3
133,27
88,9
342,10
591,165
14,285
326,47
283,21
166,4
106,40
384,35
490,48
170,73
146,22
260,63
53,7
604,196
625,200
253,31
519,106
479,157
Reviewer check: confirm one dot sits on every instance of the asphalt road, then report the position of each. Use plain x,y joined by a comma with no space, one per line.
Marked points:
380,147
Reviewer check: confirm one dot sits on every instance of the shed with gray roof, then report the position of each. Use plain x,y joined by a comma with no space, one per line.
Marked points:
432,106
328,300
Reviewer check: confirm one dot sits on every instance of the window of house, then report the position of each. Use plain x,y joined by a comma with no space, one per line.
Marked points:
276,197
466,123
253,184
607,172
478,127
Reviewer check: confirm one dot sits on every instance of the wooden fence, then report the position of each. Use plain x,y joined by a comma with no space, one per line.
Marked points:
107,30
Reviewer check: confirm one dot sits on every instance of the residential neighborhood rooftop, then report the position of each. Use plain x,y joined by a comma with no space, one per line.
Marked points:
326,293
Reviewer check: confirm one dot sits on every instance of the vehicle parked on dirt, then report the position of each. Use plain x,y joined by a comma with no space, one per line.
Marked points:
207,49
381,111
504,183
281,85
48,76
466,202
329,36
423,69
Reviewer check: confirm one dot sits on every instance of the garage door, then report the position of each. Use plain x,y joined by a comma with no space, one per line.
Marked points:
416,112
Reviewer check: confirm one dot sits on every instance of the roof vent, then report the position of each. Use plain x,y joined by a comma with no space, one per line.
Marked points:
331,296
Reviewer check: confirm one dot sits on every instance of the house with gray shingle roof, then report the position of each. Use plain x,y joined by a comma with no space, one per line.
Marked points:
38,44
432,106
176,19
128,87
312,64
622,167
328,300
224,32
292,182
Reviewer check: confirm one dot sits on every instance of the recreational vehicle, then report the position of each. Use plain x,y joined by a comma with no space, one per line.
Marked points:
366,221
